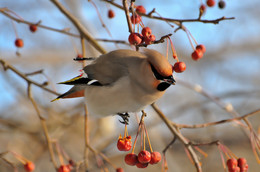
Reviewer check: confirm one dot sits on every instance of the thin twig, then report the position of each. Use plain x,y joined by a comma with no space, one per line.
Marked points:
44,126
11,164
176,133
8,66
216,122
176,21
169,145
18,20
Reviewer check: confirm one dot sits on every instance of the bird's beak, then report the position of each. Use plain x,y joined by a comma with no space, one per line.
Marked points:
170,80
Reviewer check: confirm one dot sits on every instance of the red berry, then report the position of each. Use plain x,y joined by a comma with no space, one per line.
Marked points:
111,14
29,166
202,8
201,47
221,4
179,67
18,42
146,31
119,170
135,19
232,163
155,157
236,169
131,159
141,165
124,144
135,38
149,39
197,54
144,157
140,9
64,168
211,3
242,164
33,28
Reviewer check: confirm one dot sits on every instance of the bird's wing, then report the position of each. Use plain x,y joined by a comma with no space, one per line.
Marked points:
105,70
108,68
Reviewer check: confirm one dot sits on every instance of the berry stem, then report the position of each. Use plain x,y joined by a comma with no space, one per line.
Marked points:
222,157
174,53
125,133
192,37
189,156
167,48
185,29
254,149
59,153
136,137
15,31
143,136
201,151
150,145
20,158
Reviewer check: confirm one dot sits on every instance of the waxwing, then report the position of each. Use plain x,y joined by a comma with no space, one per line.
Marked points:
122,81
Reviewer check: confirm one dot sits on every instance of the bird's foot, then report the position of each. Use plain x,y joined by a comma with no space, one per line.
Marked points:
125,117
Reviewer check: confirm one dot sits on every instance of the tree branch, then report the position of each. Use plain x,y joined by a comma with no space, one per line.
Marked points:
82,30
7,66
176,133
217,122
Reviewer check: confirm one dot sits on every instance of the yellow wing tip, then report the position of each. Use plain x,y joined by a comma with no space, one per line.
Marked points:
55,99
71,80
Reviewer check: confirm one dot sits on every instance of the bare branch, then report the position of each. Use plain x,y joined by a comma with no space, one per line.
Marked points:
82,30
217,122
7,66
176,133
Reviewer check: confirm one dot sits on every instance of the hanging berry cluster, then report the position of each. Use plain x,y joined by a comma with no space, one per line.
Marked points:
146,36
144,157
233,163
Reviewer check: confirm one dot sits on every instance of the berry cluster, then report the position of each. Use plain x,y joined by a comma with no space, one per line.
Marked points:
237,165
146,35
198,52
234,164
144,157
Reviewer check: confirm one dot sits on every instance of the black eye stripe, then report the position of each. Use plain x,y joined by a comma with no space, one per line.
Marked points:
157,75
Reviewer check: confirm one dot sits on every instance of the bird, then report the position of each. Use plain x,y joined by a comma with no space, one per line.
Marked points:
122,81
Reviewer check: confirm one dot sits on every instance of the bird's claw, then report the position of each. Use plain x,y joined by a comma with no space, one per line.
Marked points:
125,117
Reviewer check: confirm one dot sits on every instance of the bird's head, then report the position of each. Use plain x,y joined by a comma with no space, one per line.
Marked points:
162,70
